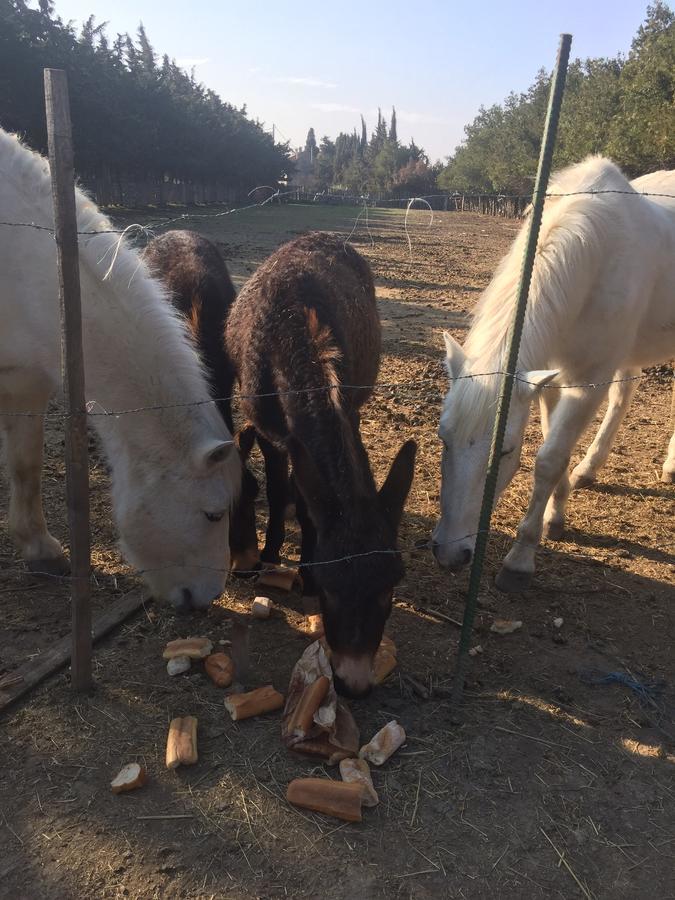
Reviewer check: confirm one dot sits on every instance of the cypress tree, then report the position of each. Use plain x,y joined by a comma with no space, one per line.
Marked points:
393,137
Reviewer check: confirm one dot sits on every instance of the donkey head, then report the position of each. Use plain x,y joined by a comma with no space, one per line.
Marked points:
359,533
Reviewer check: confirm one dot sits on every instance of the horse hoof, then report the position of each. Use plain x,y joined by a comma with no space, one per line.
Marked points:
510,580
668,477
58,567
554,531
578,482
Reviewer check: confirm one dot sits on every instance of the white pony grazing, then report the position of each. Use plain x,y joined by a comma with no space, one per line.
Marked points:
174,471
601,305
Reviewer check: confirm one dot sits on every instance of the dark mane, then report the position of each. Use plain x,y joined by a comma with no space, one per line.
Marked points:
202,290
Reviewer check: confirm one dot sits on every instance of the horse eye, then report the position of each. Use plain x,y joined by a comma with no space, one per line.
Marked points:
214,517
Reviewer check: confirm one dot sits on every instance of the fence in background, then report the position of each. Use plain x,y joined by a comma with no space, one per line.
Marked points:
75,413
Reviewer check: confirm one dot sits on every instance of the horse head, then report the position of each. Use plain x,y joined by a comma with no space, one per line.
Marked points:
173,516
466,426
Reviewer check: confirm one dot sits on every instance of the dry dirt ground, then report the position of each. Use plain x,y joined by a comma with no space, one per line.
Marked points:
543,785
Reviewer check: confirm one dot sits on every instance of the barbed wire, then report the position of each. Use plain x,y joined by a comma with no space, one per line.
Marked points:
393,386
181,217
412,548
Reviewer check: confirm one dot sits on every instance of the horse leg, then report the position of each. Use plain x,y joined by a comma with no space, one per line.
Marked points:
554,515
23,440
668,474
572,414
276,485
620,398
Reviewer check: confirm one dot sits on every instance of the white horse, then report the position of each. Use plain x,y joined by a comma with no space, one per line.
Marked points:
621,392
601,306
174,471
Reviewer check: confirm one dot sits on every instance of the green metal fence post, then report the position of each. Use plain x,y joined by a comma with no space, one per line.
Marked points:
541,184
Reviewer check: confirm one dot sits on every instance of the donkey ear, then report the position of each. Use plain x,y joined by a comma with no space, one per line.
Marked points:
317,493
394,491
244,439
455,356
536,379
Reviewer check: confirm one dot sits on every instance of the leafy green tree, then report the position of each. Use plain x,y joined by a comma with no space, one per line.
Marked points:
132,117
310,143
393,136
643,136
364,136
325,163
623,108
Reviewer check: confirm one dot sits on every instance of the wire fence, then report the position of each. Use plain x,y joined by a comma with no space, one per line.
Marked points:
392,551
391,386
363,200
95,409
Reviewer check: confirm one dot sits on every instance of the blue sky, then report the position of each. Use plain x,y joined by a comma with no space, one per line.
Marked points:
323,63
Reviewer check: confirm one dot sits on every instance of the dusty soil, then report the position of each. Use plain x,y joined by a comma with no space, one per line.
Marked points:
543,785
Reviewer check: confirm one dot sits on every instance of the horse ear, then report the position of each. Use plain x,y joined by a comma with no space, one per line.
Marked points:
394,491
455,356
213,453
317,493
536,379
244,439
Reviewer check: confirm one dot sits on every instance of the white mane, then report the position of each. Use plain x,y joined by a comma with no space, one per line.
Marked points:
566,262
133,304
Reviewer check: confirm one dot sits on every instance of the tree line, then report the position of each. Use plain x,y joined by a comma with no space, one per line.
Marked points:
620,107
358,164
139,115
134,114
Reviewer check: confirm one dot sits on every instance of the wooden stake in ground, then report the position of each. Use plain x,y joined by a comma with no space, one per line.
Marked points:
45,664
72,364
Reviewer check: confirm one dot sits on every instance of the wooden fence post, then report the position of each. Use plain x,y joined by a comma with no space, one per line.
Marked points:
72,365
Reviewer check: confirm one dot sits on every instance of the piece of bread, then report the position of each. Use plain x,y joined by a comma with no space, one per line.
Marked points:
303,714
385,660
253,703
322,747
220,669
505,626
333,798
178,664
315,625
357,771
280,577
383,744
193,648
387,646
131,777
383,665
181,743
261,608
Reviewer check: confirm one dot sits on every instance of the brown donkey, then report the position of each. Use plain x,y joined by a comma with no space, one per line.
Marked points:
201,290
304,336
